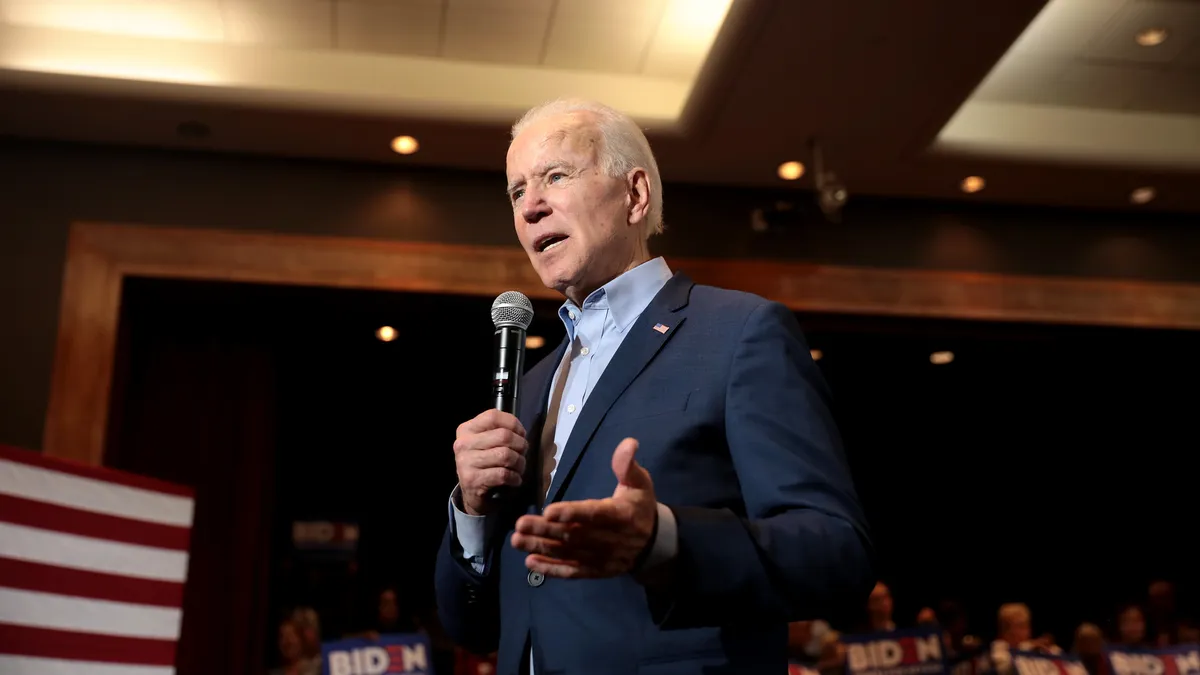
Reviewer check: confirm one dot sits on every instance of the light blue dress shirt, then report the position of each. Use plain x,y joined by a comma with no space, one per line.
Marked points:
595,331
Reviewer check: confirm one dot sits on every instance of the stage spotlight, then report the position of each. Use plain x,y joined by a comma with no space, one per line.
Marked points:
386,333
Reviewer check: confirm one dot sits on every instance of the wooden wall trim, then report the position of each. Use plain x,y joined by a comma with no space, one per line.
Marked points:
101,255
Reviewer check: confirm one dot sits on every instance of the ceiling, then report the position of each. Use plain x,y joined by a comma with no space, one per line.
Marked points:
1051,102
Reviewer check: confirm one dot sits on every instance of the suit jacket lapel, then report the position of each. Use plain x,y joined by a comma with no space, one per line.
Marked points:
658,322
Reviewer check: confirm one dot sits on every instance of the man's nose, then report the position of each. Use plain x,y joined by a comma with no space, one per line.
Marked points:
534,206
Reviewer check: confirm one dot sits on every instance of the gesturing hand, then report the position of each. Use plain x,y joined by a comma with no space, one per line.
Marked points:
597,537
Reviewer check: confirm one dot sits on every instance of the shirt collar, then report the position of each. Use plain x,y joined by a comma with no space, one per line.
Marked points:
626,297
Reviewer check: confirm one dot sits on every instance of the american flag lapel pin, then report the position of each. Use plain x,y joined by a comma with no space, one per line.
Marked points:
661,328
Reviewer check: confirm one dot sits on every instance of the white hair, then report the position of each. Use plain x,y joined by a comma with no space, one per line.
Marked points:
623,146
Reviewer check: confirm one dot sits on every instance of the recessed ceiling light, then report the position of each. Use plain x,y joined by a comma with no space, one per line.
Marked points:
386,333
534,342
1142,195
973,184
405,145
790,170
1151,37
941,358
816,354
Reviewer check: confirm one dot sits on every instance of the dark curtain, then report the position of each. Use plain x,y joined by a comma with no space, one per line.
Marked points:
194,403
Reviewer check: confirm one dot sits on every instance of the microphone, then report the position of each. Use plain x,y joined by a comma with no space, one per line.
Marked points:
512,313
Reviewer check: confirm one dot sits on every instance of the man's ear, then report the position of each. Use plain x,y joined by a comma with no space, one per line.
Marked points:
637,195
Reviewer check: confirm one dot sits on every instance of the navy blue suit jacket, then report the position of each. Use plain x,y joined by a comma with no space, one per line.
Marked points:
734,426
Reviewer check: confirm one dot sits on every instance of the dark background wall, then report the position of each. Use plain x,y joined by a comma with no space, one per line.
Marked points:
45,186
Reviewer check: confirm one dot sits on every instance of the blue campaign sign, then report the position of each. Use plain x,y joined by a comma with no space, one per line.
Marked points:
916,651
1181,660
1038,663
407,653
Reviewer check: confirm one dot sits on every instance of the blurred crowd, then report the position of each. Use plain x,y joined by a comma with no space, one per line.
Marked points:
1153,621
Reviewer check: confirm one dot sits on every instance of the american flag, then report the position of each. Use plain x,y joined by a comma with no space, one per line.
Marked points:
92,567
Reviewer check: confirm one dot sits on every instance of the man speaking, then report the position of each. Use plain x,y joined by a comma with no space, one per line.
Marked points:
677,487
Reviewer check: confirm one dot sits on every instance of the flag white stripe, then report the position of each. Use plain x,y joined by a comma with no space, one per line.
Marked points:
89,494
94,555
85,615
33,665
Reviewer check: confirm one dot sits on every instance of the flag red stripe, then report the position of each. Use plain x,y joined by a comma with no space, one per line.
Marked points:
94,472
46,516
30,576
61,644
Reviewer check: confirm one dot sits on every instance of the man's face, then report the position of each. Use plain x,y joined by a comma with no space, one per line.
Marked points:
575,223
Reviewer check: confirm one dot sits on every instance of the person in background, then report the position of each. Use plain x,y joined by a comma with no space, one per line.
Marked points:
954,626
926,617
1187,632
879,609
1161,615
804,641
291,652
1014,623
1131,627
1089,648
308,622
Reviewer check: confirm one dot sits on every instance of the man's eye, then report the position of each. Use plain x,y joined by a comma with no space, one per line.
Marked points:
556,176
517,194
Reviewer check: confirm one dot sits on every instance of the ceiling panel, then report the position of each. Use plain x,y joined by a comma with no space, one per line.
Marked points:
1066,27
280,23
411,27
603,44
676,50
474,33
1181,18
178,19
1024,77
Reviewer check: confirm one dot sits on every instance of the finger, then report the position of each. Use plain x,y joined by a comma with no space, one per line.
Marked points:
558,568
490,478
503,458
491,419
540,527
625,467
589,512
540,545
493,438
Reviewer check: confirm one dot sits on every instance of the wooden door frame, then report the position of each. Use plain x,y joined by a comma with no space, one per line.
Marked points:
100,256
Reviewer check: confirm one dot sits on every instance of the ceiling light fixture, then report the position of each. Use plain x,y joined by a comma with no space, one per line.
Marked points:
1151,37
405,145
1142,195
386,333
790,170
972,184
534,342
941,358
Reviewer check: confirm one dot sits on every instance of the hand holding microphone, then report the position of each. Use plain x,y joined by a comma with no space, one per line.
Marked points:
489,450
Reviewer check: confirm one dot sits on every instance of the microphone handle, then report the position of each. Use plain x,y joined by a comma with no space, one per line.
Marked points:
509,365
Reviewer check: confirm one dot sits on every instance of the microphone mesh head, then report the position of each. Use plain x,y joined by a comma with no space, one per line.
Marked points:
512,308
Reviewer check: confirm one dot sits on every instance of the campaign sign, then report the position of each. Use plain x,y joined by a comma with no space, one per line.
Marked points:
1182,660
801,669
916,651
1038,663
395,653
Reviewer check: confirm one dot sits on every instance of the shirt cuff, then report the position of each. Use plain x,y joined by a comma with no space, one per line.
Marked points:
666,542
470,531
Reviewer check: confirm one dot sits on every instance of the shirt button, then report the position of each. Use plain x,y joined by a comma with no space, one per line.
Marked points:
572,315
584,351
571,408
535,579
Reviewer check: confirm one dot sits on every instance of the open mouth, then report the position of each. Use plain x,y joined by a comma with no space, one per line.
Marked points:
548,241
